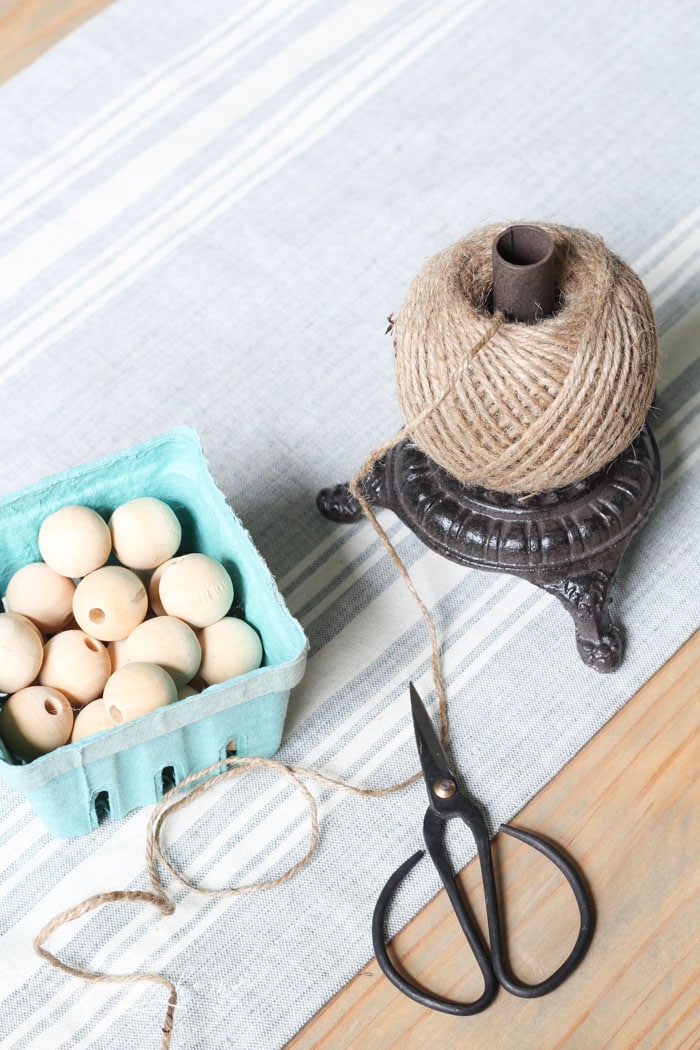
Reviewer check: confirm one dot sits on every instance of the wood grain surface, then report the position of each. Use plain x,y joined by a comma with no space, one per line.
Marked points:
625,808
30,27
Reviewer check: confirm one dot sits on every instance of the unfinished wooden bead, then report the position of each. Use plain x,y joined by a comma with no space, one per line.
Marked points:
75,541
21,653
43,595
136,689
145,533
154,585
77,665
29,623
117,653
230,648
196,589
109,603
35,720
92,718
166,641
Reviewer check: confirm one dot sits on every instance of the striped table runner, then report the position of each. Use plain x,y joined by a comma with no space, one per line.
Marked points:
207,211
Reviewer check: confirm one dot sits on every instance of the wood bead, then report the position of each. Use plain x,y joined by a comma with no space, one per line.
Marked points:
77,665
109,603
145,533
35,720
21,653
166,641
136,689
92,718
75,541
230,648
43,595
154,585
29,623
196,589
117,653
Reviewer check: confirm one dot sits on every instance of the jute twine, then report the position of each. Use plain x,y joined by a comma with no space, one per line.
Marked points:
508,378
543,405
199,783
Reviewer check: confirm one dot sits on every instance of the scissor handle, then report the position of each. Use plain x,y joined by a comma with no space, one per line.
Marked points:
433,832
586,917
470,929
494,967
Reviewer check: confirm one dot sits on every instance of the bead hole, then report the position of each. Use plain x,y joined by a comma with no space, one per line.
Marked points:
115,714
50,707
90,643
97,615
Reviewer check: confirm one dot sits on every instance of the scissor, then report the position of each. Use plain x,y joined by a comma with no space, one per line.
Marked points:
446,803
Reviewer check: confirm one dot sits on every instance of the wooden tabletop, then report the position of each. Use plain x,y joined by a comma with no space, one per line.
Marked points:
625,808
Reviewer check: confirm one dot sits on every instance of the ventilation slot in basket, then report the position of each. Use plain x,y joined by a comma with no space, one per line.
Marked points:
168,779
101,804
231,748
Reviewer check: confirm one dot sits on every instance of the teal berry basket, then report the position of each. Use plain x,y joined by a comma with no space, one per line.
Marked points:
113,772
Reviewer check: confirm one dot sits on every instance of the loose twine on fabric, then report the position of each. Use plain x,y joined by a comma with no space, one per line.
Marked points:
446,405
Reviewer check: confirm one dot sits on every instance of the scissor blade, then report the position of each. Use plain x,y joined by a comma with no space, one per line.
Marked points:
433,759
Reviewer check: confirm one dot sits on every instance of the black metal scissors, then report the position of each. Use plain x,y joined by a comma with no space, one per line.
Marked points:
447,802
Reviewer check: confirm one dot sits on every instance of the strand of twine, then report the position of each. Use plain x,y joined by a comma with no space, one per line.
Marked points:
232,767
355,487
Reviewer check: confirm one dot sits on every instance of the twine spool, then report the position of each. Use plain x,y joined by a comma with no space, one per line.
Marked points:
529,407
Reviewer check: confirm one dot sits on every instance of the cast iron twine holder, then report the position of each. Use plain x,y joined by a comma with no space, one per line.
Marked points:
568,541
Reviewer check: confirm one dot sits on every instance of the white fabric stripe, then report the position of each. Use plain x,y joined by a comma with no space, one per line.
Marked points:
320,606
309,127
682,467
154,942
263,134
26,838
687,273
324,548
106,136
672,421
675,260
140,174
81,295
138,89
44,853
17,813
646,260
350,554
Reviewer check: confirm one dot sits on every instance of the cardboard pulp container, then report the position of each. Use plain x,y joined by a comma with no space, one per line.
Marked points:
113,772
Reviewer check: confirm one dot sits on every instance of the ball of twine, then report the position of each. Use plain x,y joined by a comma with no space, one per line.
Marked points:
522,408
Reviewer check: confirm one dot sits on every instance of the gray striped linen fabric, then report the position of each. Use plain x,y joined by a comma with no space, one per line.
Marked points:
208,209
